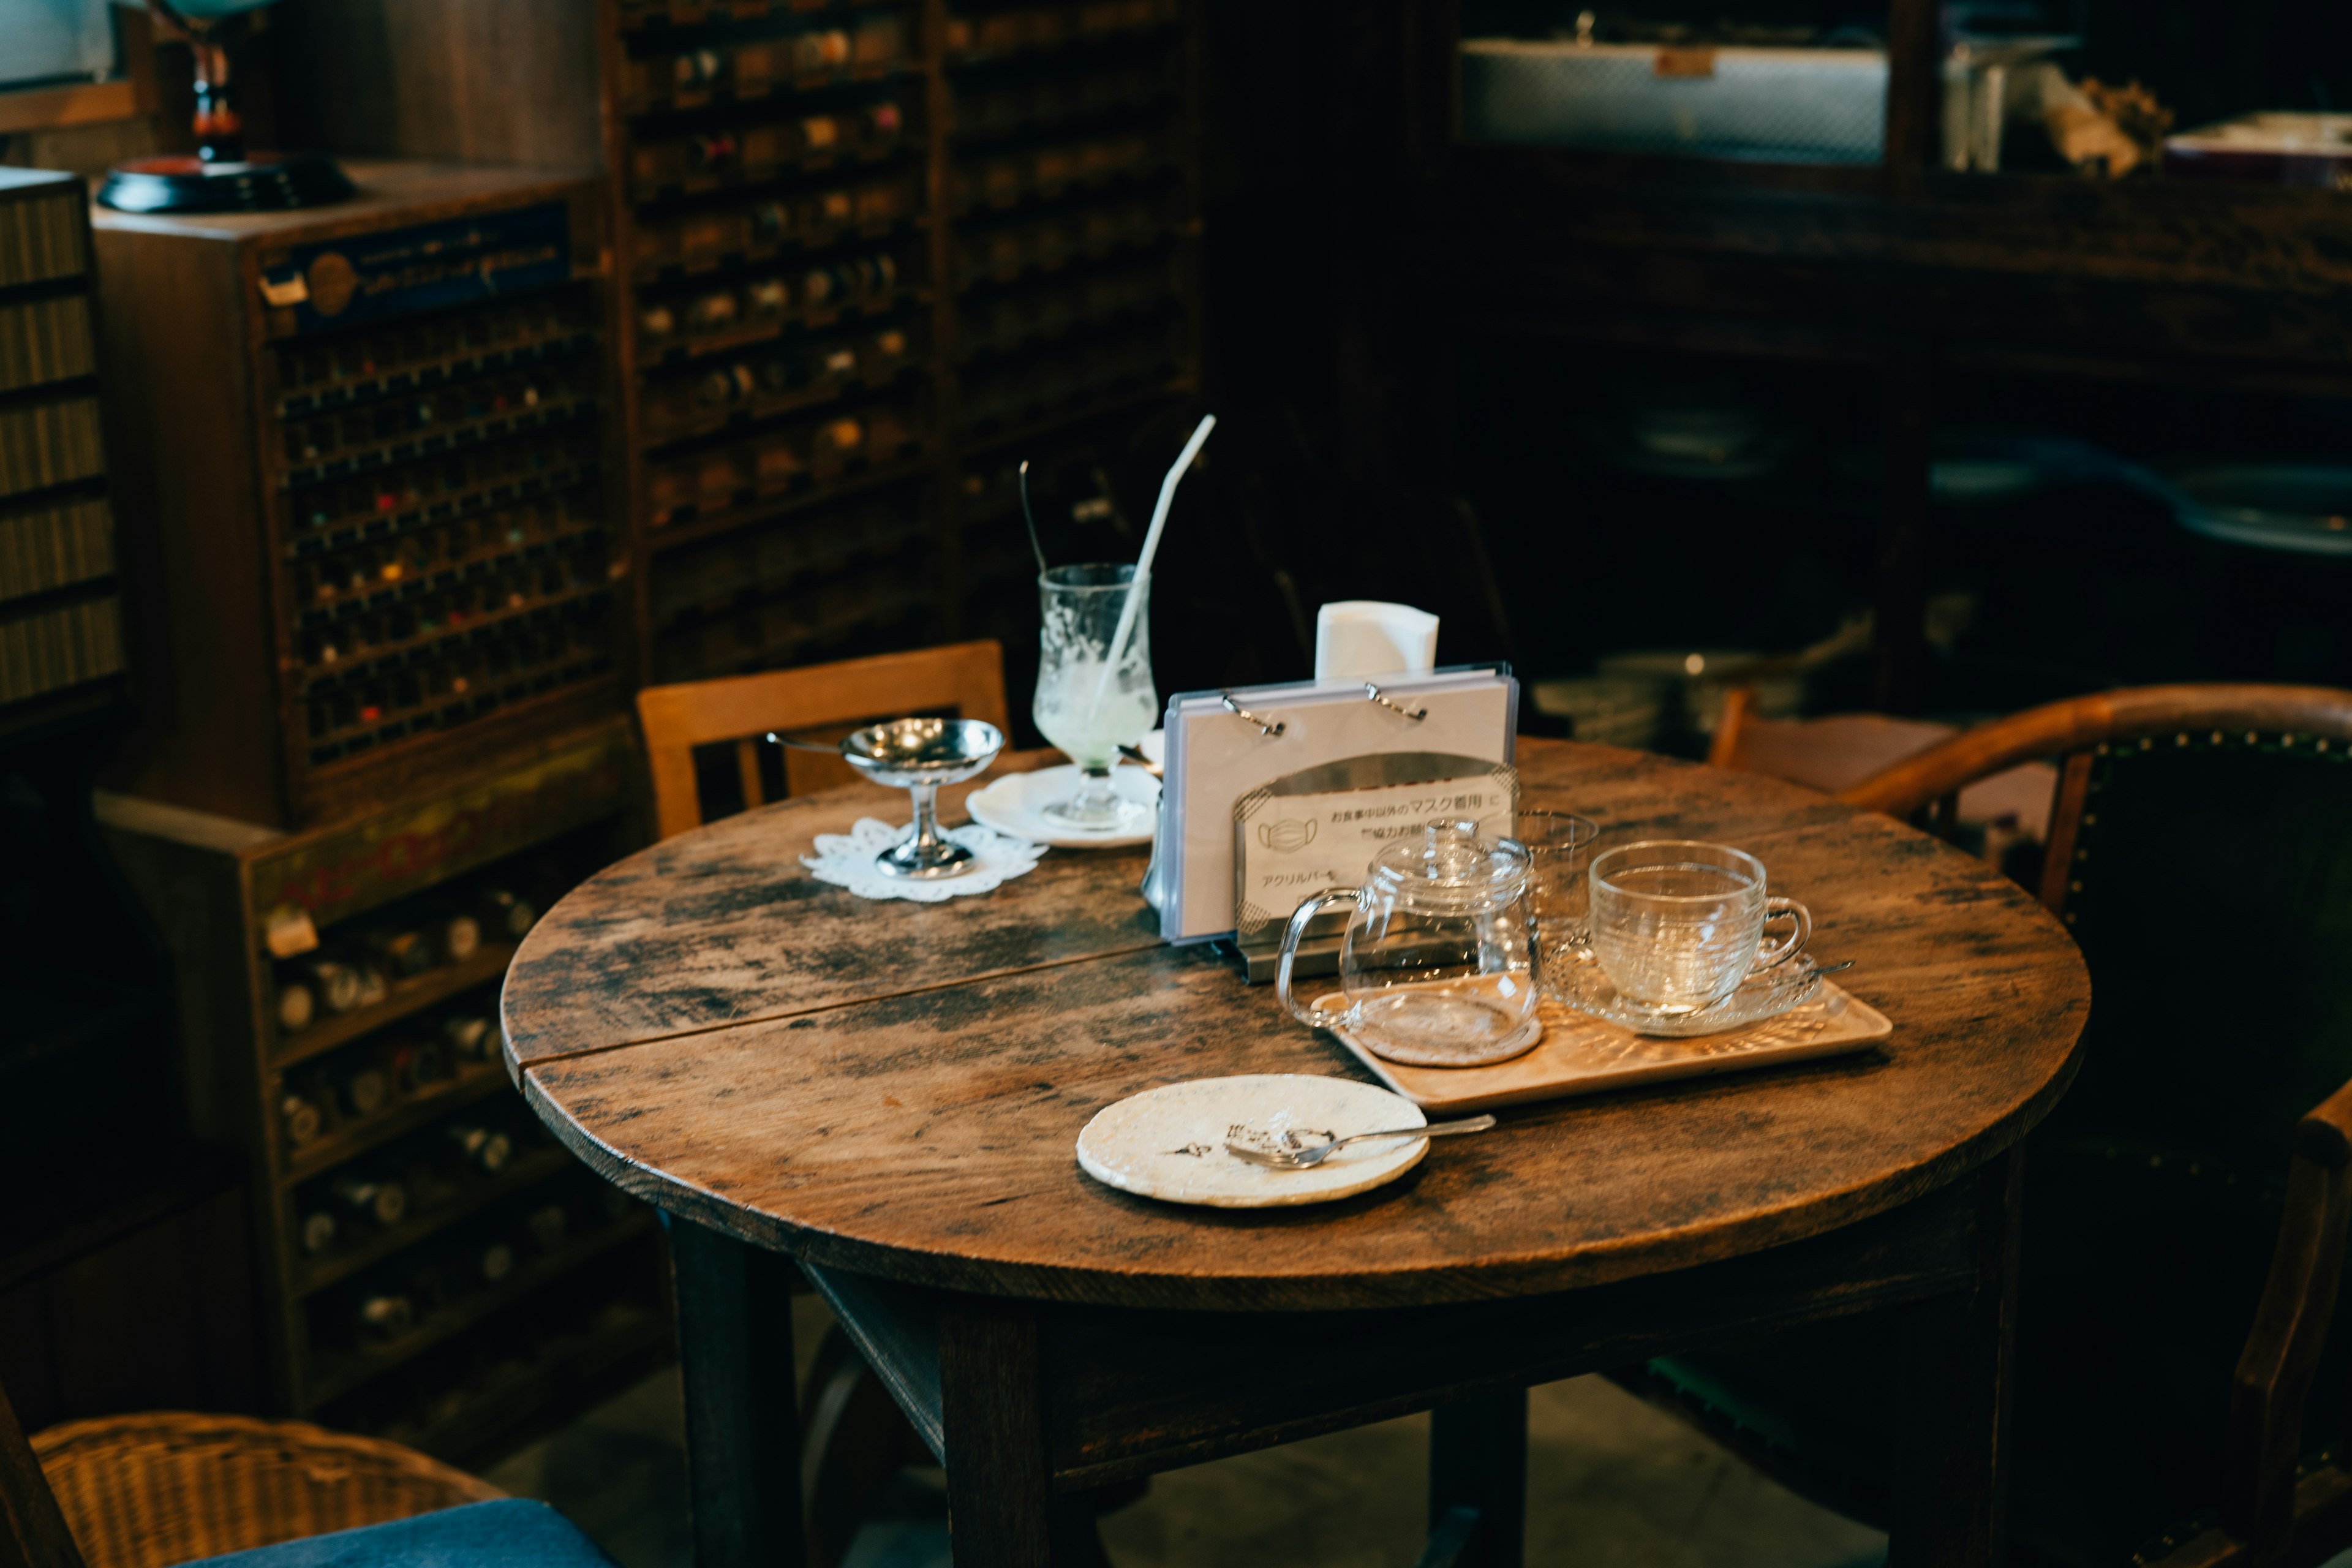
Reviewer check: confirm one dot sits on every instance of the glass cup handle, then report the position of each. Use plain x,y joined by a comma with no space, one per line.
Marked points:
1301,918
1785,909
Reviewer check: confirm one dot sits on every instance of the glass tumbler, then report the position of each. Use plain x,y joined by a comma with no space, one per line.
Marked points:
1085,706
1677,925
1559,848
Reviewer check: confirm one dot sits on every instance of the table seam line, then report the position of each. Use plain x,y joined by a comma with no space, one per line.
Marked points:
985,975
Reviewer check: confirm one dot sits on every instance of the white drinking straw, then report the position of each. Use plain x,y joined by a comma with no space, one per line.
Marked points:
1151,547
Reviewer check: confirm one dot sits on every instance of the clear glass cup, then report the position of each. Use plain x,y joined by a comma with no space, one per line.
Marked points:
1436,968
1560,850
1677,925
1084,705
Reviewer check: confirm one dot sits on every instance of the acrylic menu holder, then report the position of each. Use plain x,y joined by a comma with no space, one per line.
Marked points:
1308,831
1226,745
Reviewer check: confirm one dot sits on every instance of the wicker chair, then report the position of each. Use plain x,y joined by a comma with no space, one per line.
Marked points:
2186,1205
150,1490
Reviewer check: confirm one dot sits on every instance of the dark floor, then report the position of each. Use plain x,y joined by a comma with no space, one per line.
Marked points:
1611,1484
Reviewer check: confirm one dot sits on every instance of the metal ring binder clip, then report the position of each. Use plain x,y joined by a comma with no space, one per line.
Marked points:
1416,714
1276,728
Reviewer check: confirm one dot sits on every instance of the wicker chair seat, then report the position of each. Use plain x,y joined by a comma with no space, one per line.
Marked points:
161,1487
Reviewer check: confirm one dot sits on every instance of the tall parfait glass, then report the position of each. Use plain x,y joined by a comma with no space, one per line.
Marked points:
1086,705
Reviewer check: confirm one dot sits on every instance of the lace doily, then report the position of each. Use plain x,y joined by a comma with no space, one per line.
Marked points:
846,860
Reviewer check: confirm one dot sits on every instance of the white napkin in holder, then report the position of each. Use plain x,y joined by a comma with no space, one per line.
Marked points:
1359,638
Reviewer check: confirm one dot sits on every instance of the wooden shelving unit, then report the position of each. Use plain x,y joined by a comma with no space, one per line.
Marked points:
859,251
1005,198
382,1094
1902,273
60,611
408,394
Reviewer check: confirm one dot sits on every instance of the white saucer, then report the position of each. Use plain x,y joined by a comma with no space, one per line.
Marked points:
1170,1142
1016,805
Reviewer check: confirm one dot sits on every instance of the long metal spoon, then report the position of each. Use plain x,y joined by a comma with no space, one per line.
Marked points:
1306,1159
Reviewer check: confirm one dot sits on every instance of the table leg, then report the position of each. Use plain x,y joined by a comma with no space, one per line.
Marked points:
1478,1459
1956,1358
742,1425
1003,1511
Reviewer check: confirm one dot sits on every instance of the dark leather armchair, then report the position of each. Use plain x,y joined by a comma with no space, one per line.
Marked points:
2200,852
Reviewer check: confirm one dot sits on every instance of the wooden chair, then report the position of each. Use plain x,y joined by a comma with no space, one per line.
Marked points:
2201,851
968,677
152,1490
1840,751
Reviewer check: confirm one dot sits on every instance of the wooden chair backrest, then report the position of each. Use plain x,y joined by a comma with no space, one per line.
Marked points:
2182,1091
968,677
2074,730
33,1533
1829,753
1838,752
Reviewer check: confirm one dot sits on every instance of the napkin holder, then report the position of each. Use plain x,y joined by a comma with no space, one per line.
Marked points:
1307,832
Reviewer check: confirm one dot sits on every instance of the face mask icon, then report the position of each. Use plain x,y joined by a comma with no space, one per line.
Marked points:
1286,835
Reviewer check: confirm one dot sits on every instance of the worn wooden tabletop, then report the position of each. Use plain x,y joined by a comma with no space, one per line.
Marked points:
895,1088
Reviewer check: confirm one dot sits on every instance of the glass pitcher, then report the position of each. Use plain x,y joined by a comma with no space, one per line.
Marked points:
1436,968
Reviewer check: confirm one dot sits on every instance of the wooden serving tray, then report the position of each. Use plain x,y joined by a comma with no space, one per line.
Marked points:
1581,1055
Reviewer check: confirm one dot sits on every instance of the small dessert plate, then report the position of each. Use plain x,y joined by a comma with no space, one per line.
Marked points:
1170,1142
1015,804
1585,986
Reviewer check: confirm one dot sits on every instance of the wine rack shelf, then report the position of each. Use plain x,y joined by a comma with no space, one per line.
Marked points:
539,1386
408,392
407,996
338,1375
1029,177
420,1109
526,1171
399,1187
61,634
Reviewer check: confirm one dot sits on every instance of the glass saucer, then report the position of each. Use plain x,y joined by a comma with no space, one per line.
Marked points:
1582,985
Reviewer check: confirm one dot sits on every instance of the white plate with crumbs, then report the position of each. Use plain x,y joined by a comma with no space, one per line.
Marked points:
1016,805
1170,1142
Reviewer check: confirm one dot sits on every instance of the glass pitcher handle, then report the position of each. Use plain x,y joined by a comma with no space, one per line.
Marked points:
1301,918
1785,909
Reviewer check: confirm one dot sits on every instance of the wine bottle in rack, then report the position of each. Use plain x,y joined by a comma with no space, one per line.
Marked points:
373,987
336,983
371,1200
300,1118
469,1037
383,1316
417,1063
403,954
360,1086
549,1225
458,935
494,1262
486,1149
319,1232
508,913
296,1006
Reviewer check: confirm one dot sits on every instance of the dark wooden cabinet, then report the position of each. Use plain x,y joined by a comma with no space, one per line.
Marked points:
426,1265
60,615
359,463
864,255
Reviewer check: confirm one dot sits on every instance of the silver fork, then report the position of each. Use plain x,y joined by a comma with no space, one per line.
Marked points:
1307,1159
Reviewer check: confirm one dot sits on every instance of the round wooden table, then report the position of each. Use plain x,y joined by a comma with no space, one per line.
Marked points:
889,1092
